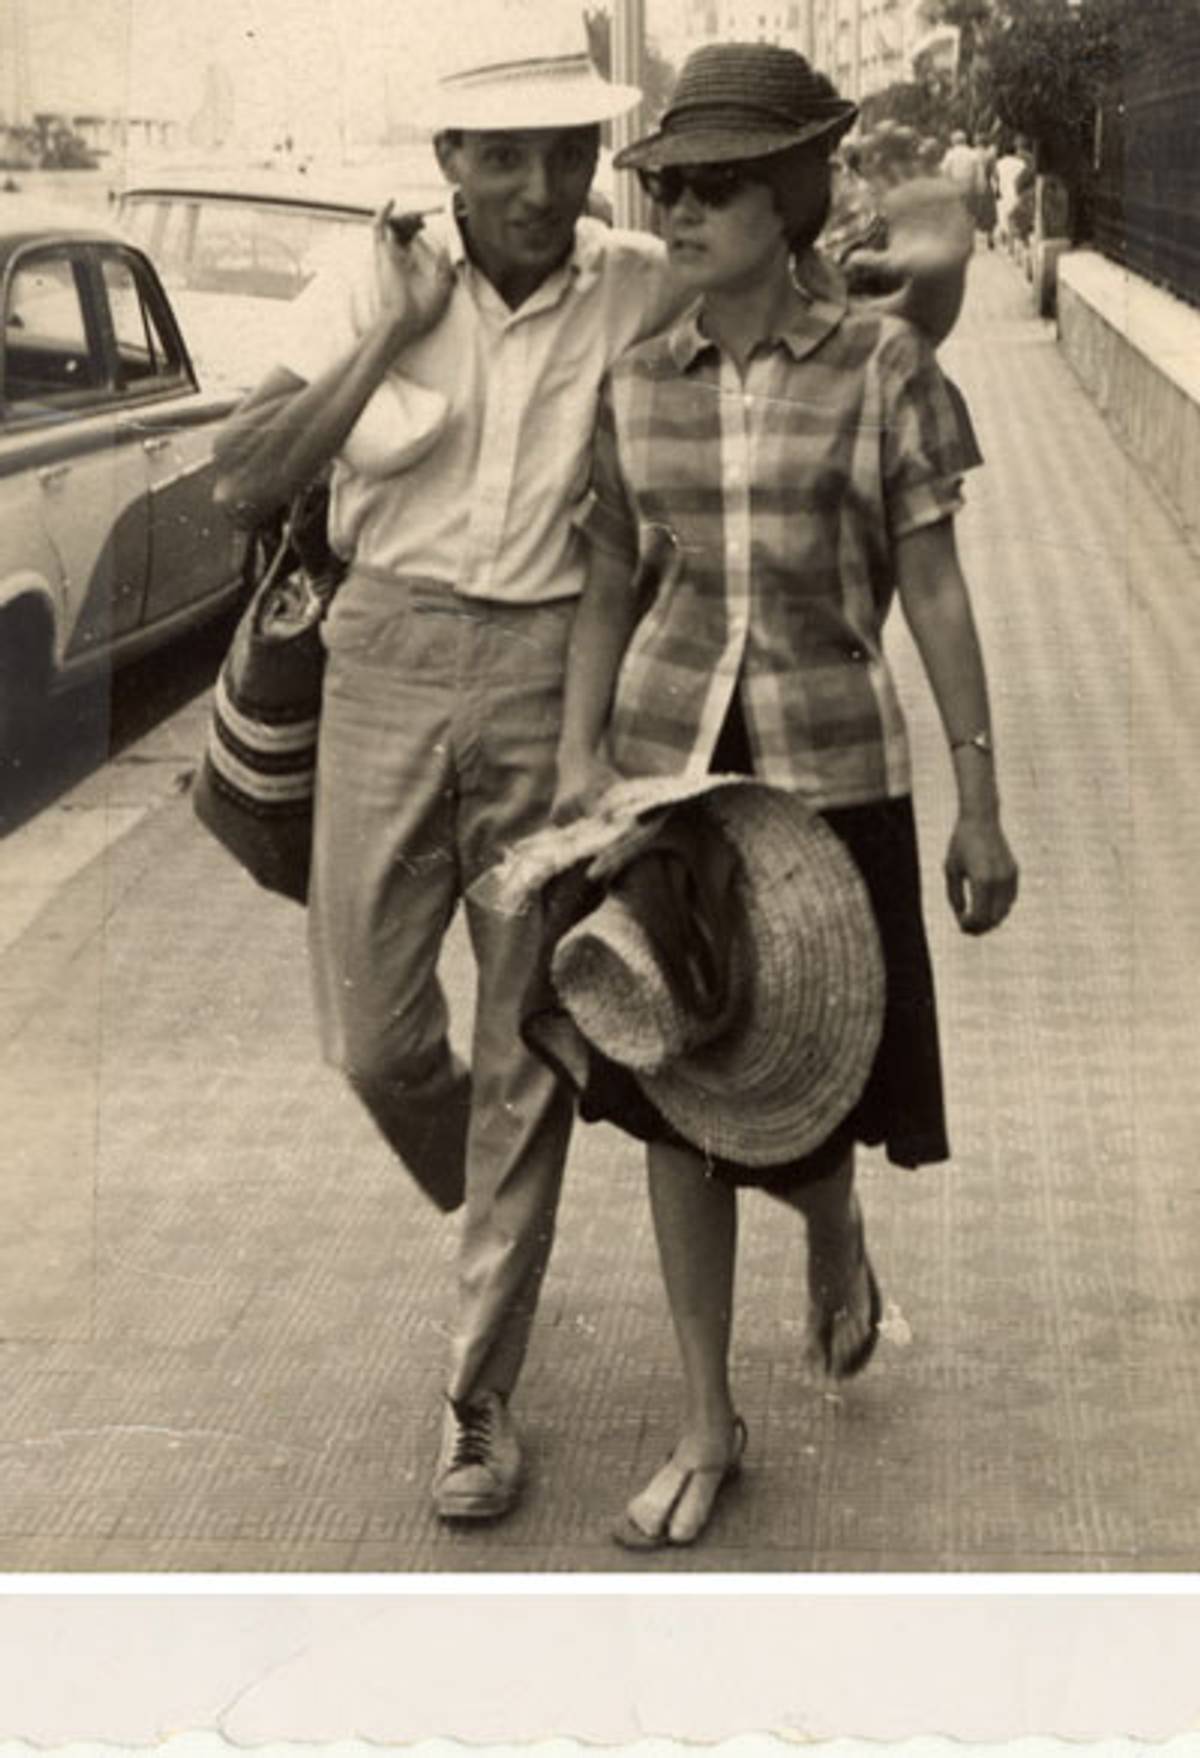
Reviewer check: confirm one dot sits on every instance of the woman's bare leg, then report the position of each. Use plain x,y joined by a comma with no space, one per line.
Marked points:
695,1226
841,1316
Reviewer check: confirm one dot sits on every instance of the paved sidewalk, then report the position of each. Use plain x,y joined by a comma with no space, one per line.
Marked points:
225,1313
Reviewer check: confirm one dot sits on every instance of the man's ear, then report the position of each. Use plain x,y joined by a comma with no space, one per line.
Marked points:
447,145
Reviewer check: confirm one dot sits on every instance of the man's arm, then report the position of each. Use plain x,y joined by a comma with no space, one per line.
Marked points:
287,430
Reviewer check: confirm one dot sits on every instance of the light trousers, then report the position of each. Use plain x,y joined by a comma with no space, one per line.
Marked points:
439,730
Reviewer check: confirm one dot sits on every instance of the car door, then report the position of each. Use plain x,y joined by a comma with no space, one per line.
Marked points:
83,474
194,553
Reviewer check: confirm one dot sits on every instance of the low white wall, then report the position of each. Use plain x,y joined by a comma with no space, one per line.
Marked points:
1136,350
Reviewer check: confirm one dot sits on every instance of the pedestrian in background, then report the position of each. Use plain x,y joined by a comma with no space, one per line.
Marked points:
985,196
452,383
803,459
929,155
966,167
959,162
1014,172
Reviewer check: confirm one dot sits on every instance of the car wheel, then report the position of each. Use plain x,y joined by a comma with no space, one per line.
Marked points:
24,674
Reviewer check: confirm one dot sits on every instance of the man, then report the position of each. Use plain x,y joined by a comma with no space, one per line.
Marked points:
960,162
968,167
1014,171
452,381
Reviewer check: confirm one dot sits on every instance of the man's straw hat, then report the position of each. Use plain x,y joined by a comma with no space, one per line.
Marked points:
520,72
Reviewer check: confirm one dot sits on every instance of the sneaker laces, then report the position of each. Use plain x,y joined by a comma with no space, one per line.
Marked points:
473,1442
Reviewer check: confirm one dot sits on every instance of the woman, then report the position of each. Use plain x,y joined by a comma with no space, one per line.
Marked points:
766,476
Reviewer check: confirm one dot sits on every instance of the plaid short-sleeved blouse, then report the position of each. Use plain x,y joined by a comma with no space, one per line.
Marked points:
759,519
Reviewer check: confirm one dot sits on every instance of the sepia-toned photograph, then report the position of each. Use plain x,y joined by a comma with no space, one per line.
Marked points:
599,718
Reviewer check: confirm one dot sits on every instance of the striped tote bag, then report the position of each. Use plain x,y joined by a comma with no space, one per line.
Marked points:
254,790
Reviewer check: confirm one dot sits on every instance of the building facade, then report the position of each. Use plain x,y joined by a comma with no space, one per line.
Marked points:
679,26
863,45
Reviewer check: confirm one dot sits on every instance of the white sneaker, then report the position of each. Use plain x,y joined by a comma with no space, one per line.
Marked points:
478,1471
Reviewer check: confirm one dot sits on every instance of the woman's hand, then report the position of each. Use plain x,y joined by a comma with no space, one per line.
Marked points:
583,776
981,874
416,279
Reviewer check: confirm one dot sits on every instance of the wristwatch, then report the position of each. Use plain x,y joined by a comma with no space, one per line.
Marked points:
980,741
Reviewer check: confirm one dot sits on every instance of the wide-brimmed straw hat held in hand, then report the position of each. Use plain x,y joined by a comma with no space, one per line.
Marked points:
772,1072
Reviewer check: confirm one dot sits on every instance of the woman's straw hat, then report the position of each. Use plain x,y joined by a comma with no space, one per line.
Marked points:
741,101
785,1059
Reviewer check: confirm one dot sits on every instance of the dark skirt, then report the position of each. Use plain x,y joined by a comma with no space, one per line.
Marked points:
902,1104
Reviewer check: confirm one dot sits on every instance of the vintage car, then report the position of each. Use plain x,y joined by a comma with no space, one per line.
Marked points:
109,540
232,244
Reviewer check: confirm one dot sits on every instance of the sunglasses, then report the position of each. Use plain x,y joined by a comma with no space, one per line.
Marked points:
714,186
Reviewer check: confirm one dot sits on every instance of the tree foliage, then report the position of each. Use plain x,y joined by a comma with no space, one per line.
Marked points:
926,105
1041,67
49,143
971,18
1045,68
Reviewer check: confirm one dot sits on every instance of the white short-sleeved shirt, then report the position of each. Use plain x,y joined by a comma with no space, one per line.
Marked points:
472,460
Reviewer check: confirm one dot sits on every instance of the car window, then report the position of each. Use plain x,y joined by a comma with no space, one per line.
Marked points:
203,244
162,227
232,254
48,356
264,252
146,352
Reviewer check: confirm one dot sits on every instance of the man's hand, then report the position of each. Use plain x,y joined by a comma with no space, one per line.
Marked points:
981,874
416,280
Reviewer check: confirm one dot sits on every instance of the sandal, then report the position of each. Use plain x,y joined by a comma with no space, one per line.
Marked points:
632,1536
825,1330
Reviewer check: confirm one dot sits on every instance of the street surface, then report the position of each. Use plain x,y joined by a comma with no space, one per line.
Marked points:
223,1311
